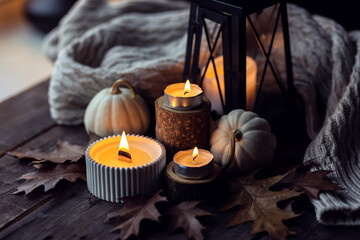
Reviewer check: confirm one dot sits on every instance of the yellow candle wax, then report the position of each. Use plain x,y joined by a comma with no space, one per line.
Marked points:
105,152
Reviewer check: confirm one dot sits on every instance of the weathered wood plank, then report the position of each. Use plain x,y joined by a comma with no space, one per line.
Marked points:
24,116
75,213
13,207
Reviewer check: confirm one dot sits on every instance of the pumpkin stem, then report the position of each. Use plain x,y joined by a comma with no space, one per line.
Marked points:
116,90
237,135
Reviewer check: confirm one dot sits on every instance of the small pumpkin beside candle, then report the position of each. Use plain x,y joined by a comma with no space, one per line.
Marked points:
242,142
115,109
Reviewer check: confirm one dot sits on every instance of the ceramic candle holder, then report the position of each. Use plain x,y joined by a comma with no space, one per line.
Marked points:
176,98
110,179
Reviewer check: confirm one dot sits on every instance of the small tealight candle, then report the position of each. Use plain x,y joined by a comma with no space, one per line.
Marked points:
132,167
183,95
193,163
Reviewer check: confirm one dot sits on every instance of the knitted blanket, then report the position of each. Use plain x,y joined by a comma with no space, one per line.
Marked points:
144,42
97,43
337,146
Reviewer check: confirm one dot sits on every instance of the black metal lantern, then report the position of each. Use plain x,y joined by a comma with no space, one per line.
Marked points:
231,20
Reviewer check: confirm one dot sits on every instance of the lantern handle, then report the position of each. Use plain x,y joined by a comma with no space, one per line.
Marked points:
116,90
235,136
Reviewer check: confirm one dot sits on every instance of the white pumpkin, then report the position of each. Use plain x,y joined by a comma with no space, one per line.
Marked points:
113,110
242,142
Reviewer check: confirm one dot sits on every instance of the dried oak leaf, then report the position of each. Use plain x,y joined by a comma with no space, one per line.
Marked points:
184,215
64,151
258,204
135,210
311,183
48,176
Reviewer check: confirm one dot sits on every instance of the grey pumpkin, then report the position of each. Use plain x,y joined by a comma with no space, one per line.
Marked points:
242,142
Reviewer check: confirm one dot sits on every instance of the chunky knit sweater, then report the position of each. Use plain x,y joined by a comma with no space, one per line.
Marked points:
144,41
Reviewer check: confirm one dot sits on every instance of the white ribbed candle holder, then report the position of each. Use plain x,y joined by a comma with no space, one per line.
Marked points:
113,183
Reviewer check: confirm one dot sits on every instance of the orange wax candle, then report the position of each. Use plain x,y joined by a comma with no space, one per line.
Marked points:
105,152
122,166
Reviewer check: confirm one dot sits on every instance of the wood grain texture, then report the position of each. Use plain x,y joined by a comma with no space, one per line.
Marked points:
24,116
14,206
182,129
180,189
73,214
76,214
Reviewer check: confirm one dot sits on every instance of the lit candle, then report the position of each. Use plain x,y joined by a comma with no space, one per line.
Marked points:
183,95
211,88
133,167
193,163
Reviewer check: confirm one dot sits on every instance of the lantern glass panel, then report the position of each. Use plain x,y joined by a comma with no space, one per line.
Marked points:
246,50
275,76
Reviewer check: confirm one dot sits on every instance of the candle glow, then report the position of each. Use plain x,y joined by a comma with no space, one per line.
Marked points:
187,88
211,90
195,154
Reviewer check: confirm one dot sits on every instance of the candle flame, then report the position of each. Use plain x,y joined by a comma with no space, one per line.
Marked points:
187,88
124,152
124,146
195,153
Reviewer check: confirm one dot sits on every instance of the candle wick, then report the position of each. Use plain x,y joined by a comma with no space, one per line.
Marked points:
186,92
123,154
195,157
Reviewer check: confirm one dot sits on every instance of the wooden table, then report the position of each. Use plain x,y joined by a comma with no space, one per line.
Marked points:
70,211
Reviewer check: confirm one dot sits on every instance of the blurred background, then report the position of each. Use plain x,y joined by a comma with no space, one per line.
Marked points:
24,23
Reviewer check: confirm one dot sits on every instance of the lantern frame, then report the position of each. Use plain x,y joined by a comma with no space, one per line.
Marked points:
231,15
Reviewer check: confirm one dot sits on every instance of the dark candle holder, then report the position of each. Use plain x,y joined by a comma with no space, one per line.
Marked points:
233,17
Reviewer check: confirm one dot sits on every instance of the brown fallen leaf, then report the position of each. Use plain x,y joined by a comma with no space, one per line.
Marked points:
184,215
311,183
133,212
64,151
258,204
49,175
